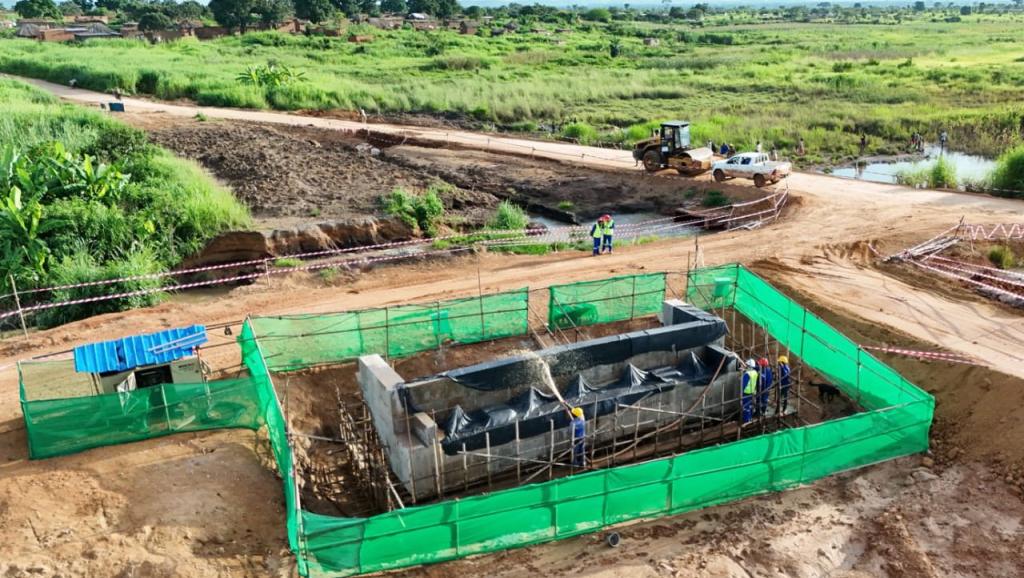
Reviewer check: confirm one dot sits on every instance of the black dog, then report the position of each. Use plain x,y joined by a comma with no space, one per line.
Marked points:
826,392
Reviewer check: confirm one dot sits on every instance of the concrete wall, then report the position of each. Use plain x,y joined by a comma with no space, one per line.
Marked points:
413,439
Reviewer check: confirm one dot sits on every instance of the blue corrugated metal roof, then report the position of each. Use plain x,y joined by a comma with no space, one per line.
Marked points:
138,350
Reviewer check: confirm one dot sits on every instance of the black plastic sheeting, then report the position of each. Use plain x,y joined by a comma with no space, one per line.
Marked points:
700,328
534,409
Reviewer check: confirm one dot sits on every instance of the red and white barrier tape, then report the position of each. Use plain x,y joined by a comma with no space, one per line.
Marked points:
931,355
275,271
309,254
968,280
1000,273
992,231
972,273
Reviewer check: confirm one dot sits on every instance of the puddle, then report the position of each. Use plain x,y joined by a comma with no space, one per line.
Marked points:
968,167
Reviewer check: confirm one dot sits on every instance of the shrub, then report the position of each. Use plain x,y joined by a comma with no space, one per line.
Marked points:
269,75
420,212
82,267
1002,256
287,262
566,205
942,175
118,142
714,199
598,15
1007,179
581,132
509,217
913,177
459,63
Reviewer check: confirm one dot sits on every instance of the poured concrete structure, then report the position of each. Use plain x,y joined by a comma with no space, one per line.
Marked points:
627,384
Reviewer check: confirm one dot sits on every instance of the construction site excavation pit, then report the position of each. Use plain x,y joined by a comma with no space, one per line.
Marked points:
379,435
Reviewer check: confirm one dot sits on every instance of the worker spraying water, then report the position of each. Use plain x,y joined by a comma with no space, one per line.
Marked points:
576,415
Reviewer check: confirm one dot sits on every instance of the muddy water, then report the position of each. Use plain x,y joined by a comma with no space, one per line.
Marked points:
968,167
662,227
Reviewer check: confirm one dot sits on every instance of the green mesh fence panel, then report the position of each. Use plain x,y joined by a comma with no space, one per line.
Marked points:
603,301
269,408
898,425
63,426
588,502
297,341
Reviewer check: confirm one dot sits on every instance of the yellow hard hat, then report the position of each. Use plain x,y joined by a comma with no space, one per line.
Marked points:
783,359
577,412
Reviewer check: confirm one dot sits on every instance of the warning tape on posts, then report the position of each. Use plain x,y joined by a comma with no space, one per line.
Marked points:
276,271
310,254
969,280
975,273
992,231
653,225
1000,273
931,355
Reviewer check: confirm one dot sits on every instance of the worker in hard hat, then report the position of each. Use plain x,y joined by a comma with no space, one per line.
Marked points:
748,389
764,385
607,232
579,437
602,231
785,381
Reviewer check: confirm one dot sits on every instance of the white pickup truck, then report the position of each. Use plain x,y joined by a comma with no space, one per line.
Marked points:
755,166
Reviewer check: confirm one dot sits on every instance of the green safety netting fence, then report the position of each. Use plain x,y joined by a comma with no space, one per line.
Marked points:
606,300
897,423
67,425
297,341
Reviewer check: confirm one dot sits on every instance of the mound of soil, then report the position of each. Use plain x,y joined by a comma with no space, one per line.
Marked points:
283,171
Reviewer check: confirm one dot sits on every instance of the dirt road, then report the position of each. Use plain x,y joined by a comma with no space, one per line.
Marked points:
818,249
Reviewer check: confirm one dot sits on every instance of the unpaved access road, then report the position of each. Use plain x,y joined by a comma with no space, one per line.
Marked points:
51,512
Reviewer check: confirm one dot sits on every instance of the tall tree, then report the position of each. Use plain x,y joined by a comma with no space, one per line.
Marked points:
447,8
188,10
37,9
393,6
272,11
70,8
315,11
424,6
233,13
155,20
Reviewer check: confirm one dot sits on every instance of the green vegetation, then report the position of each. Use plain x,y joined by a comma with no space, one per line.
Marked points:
1007,179
566,205
942,175
421,212
509,217
85,198
1002,257
715,199
939,175
287,262
825,74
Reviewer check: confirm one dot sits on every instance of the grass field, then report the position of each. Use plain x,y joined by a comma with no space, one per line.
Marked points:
775,83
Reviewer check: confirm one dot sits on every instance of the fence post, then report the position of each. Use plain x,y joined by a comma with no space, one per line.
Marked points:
17,302
632,300
387,335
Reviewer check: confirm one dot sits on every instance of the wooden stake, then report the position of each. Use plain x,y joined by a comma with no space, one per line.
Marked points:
551,449
17,302
519,454
487,441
